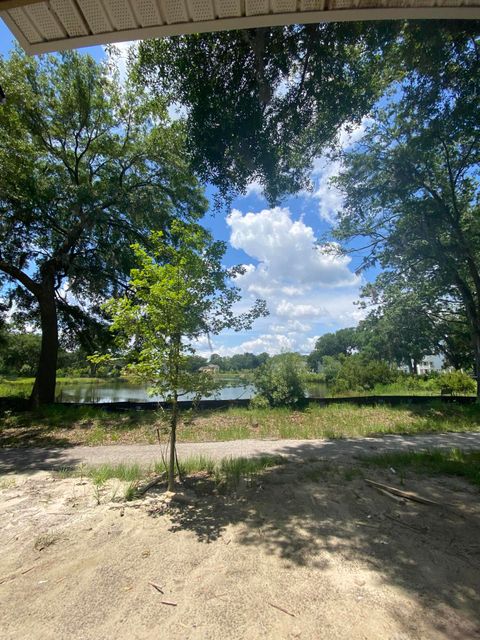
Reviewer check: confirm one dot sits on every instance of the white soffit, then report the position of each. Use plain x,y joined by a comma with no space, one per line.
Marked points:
53,25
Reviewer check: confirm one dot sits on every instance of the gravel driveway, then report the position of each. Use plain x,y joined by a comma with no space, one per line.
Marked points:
17,460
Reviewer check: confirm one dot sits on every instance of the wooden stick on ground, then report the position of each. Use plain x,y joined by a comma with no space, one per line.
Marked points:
156,586
275,606
144,488
409,495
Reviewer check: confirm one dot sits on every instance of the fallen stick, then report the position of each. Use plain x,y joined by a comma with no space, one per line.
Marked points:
391,495
12,576
171,604
275,606
409,495
156,586
143,489
27,570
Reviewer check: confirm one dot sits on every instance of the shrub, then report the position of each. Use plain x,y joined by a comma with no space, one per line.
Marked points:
356,373
282,380
456,383
259,402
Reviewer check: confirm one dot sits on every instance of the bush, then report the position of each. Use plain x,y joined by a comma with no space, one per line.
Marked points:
454,383
259,402
282,380
356,373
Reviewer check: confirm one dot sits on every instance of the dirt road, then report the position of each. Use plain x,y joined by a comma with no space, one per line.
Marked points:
18,460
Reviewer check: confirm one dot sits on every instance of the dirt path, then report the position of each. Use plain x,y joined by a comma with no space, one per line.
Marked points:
18,460
303,553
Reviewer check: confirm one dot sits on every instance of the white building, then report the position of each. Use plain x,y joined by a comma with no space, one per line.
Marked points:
428,365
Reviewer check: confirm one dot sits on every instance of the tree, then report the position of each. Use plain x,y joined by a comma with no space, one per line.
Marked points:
195,363
87,166
412,188
356,372
20,353
179,292
282,380
343,341
262,104
401,328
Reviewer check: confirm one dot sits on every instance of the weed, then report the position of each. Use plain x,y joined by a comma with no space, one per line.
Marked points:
7,483
97,494
351,472
131,491
79,425
126,472
45,540
454,462
66,472
230,471
318,473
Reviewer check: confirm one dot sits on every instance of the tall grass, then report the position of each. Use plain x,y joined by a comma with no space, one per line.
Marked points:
465,464
61,425
227,471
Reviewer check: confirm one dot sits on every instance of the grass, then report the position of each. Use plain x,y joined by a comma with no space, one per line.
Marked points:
464,464
228,472
332,421
60,425
100,474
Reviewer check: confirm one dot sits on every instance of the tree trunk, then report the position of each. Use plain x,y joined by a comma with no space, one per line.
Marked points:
173,444
43,391
477,363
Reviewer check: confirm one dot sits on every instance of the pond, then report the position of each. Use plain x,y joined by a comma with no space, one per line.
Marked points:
122,391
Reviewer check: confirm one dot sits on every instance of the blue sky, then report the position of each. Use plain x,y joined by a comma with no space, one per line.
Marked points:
308,292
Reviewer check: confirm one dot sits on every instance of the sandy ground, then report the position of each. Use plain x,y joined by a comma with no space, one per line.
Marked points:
20,459
341,559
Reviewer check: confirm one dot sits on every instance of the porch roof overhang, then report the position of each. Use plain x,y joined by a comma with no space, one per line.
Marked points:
54,25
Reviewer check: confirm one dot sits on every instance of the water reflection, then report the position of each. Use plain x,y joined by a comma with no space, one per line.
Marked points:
121,391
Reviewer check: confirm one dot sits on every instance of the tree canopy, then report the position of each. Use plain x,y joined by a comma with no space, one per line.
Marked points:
87,166
262,104
412,188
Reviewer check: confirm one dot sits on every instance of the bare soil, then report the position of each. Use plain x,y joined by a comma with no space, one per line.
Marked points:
305,552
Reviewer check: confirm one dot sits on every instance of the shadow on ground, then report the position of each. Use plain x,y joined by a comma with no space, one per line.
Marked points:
308,513
36,459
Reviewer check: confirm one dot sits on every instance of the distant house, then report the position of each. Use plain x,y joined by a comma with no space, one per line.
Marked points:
210,368
428,365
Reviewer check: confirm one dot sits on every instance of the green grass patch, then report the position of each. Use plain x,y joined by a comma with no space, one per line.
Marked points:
62,425
102,473
194,464
233,470
455,462
228,471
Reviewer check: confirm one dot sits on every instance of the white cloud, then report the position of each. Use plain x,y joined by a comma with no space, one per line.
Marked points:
307,290
289,255
330,199
286,309
253,188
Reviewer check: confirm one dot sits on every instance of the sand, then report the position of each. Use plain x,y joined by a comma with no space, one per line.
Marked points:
304,552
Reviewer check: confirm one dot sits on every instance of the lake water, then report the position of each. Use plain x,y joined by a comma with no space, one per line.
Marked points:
121,391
